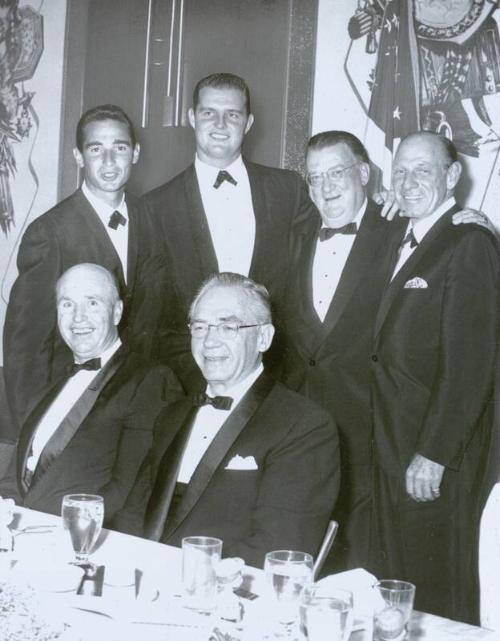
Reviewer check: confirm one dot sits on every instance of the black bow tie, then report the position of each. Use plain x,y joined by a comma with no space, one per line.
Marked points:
221,177
325,233
116,219
91,365
409,238
218,402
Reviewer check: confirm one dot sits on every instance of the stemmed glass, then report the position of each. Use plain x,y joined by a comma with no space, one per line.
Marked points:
82,516
287,572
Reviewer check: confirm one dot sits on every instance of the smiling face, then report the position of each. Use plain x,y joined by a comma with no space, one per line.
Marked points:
422,176
88,311
220,122
339,201
226,362
107,157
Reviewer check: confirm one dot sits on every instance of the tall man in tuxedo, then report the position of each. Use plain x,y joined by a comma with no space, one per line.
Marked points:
433,358
98,224
223,213
341,262
253,462
92,430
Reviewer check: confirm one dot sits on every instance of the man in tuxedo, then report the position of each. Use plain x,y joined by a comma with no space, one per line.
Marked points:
251,462
432,364
223,213
341,261
92,430
98,224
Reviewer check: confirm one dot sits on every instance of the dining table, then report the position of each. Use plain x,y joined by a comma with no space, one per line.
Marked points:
140,594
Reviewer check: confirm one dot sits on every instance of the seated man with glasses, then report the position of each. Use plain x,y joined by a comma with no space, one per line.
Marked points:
248,461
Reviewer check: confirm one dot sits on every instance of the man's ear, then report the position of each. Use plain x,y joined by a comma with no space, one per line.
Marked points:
78,156
364,172
250,120
135,153
453,175
266,333
117,312
191,117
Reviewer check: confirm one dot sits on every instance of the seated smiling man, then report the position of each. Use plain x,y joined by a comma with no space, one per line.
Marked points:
92,430
249,461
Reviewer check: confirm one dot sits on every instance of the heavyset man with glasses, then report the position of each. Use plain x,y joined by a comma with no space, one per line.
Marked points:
249,462
342,260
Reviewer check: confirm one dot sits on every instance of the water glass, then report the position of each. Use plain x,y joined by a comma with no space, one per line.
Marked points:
200,557
287,573
82,516
326,613
393,608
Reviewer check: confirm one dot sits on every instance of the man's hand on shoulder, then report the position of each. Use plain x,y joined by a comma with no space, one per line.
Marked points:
469,215
386,198
423,478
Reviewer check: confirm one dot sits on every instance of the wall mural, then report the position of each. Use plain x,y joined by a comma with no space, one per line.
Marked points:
427,64
21,45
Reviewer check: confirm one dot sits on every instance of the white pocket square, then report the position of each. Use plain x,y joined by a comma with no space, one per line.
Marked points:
416,283
242,463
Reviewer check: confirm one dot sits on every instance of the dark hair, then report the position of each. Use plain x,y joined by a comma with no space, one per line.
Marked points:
257,294
222,81
103,112
331,138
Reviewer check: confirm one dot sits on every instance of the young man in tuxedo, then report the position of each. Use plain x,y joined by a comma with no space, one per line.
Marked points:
222,213
432,364
98,223
93,428
248,461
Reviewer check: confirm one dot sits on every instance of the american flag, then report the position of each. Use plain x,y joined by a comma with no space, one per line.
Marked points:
394,104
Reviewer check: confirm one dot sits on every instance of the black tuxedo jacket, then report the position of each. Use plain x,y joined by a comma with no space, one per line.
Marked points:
183,256
329,361
284,503
68,234
434,352
111,428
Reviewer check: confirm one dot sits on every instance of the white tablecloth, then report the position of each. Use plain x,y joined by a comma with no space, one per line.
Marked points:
41,557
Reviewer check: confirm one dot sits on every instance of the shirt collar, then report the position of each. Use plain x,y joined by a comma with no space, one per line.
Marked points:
108,353
238,391
103,209
421,226
237,169
358,218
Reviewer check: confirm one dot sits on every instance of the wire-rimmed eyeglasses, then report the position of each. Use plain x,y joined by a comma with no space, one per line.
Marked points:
199,329
333,175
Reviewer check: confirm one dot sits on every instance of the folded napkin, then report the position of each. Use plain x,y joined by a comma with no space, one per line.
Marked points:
360,583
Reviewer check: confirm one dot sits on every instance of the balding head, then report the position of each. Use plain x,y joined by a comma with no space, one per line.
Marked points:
424,173
88,310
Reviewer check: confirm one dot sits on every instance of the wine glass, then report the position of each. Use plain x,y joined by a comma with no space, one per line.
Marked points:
82,516
287,573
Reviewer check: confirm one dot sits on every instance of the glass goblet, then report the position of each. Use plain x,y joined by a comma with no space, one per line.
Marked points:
82,516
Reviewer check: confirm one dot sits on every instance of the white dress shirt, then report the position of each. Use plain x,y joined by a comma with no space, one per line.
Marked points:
208,422
118,236
62,404
330,258
420,227
230,215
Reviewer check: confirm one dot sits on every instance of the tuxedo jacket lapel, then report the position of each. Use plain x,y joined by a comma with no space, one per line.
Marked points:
368,242
199,230
73,419
133,243
96,233
396,285
219,447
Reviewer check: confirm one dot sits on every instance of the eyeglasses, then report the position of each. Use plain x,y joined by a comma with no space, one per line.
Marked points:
229,331
333,175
